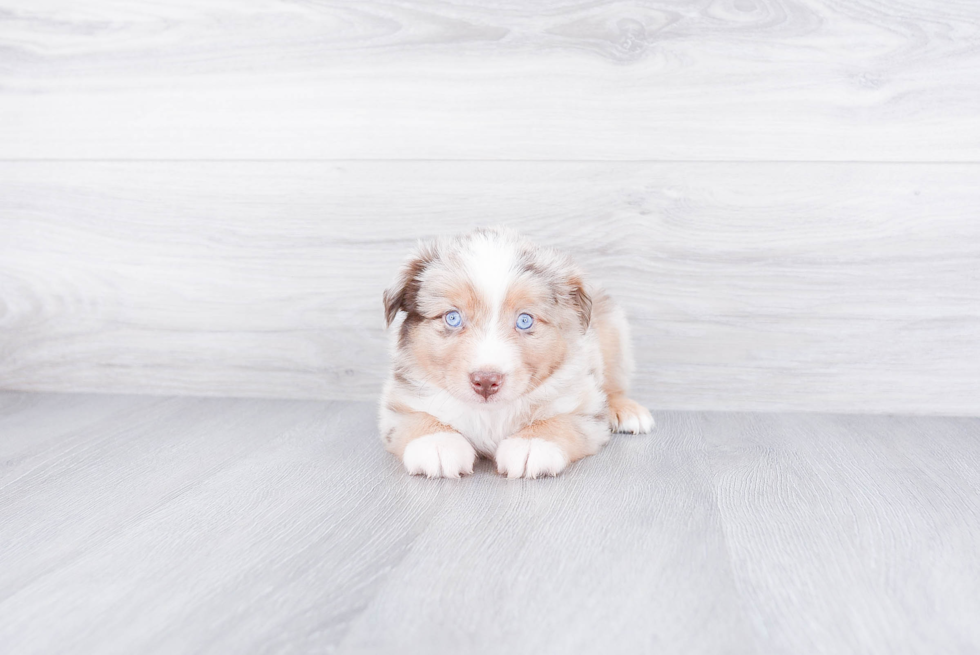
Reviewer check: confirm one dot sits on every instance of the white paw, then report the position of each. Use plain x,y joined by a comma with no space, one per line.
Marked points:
442,454
630,416
529,458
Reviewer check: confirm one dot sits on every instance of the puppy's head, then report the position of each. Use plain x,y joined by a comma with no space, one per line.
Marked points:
488,316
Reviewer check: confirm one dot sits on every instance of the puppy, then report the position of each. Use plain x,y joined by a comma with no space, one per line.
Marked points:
504,351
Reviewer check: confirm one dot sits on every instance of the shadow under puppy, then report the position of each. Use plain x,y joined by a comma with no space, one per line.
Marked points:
504,351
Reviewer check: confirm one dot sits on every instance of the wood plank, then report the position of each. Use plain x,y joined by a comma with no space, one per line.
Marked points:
624,553
293,532
31,424
220,525
767,286
754,79
212,523
56,498
852,533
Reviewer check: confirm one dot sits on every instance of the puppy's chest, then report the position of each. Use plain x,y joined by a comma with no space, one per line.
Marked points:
483,427
487,429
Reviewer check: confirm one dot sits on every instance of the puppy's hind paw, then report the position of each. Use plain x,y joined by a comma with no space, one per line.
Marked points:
627,415
442,454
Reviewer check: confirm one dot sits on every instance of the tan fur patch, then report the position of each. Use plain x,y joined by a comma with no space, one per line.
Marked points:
543,358
622,408
402,296
525,296
544,349
582,300
562,431
614,376
440,352
412,426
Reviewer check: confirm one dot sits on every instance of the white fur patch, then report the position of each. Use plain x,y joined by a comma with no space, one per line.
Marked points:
490,265
494,354
529,458
442,454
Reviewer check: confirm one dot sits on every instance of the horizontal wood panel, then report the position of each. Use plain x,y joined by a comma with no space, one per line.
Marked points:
662,80
849,287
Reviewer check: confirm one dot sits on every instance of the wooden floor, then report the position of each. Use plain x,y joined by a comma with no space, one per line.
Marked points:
146,524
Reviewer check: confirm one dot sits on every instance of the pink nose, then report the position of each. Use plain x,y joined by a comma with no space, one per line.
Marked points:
486,383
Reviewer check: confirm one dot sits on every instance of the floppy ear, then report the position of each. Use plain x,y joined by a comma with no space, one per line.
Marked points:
582,300
401,295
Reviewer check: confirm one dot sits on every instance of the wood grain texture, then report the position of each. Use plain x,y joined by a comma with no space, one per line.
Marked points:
845,287
865,80
165,525
640,566
839,526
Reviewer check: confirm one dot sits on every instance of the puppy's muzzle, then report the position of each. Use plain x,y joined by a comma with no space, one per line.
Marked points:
486,383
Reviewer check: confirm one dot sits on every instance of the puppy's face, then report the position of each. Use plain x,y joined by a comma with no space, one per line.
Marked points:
488,317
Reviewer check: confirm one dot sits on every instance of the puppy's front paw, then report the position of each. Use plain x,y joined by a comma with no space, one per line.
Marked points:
442,454
529,458
627,415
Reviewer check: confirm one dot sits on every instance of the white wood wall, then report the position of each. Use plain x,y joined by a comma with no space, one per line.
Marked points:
208,197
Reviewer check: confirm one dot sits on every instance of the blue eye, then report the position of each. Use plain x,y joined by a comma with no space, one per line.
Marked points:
453,319
524,321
